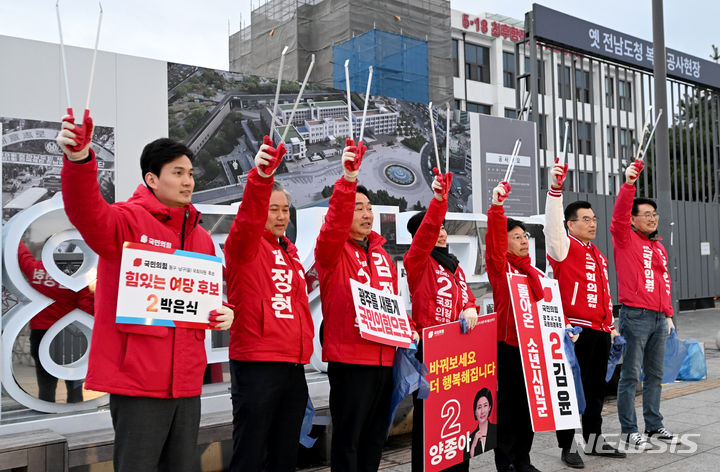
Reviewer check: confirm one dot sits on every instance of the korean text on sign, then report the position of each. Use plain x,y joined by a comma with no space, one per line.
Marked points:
381,316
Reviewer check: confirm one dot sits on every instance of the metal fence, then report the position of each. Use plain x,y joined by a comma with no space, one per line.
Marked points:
605,103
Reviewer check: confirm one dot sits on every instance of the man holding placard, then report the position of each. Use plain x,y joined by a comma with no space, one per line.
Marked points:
581,271
272,337
359,370
153,372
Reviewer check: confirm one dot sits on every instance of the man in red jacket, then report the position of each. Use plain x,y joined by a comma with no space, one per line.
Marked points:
646,314
153,373
271,338
581,271
438,291
359,371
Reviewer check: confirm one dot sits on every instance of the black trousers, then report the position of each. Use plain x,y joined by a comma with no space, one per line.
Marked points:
515,434
592,350
155,434
269,400
360,409
47,383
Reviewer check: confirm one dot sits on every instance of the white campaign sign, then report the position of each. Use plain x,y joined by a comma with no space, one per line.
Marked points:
381,316
168,288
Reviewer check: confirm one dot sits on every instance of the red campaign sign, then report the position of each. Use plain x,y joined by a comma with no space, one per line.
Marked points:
549,381
461,408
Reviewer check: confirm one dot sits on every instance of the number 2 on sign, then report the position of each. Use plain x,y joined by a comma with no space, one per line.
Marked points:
451,411
556,345
153,299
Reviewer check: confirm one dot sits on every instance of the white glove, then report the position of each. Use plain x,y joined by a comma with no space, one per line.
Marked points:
471,316
66,138
350,176
437,187
632,173
573,337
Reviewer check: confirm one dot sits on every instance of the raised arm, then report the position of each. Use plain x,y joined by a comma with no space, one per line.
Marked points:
496,239
426,236
338,219
620,226
246,232
557,241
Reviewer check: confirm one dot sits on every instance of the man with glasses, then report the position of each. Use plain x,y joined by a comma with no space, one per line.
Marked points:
646,314
581,271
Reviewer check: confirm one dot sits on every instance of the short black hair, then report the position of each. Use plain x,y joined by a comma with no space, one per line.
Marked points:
512,224
159,152
362,189
642,201
483,392
572,209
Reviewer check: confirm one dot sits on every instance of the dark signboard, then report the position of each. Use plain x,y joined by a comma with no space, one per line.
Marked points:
559,28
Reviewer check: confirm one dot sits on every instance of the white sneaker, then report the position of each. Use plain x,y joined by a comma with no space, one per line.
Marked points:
638,441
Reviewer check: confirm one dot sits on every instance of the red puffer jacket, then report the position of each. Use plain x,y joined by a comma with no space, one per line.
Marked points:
135,360
339,258
267,286
438,296
641,263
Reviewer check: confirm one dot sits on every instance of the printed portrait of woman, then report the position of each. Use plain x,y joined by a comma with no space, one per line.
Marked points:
484,437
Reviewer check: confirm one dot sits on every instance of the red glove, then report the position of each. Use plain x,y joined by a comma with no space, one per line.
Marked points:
445,181
359,152
560,178
277,156
507,188
83,133
639,166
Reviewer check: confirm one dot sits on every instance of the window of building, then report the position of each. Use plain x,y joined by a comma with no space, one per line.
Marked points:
586,182
511,113
541,75
564,82
626,139
612,184
456,68
479,108
610,138
542,131
625,95
585,141
477,63
569,140
582,86
458,104
509,69
609,92
544,172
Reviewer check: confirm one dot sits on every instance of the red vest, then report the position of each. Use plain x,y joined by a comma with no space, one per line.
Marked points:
584,288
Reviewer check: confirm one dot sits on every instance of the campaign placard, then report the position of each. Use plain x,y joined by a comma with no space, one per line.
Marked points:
381,316
541,335
460,414
165,287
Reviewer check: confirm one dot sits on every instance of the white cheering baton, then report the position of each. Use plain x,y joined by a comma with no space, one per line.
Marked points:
511,164
447,138
277,93
92,68
643,150
347,84
432,127
563,157
367,96
62,56
299,96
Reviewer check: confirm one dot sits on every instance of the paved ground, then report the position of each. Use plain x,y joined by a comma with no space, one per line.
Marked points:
691,409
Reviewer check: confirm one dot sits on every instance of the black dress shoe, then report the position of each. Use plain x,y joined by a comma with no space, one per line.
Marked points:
572,459
606,450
